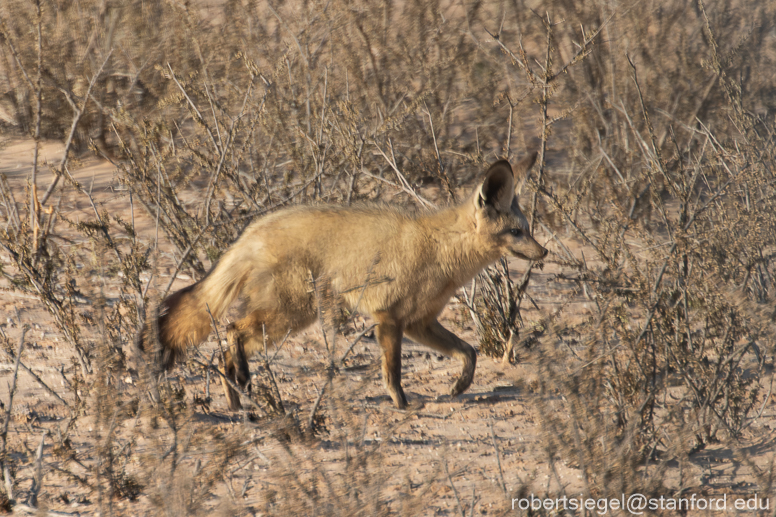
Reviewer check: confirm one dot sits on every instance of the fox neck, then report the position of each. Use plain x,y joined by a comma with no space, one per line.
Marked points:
461,252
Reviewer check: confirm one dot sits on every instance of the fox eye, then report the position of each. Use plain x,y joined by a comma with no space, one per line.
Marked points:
517,232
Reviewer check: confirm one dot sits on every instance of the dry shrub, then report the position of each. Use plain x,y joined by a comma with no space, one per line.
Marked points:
655,128
673,206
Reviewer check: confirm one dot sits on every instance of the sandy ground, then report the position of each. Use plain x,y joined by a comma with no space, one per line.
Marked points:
488,434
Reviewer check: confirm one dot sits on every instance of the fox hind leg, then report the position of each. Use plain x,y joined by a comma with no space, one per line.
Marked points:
243,338
249,335
235,367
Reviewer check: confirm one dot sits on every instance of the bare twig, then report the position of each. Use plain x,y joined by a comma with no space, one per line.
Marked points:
356,340
455,491
243,396
60,170
38,379
498,460
403,183
7,420
314,410
37,481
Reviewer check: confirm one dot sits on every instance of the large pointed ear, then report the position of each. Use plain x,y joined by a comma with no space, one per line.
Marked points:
521,170
497,190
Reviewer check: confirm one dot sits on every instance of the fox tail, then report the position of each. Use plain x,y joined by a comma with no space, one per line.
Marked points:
184,317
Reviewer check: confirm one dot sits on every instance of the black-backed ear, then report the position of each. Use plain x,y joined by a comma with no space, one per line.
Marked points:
497,189
522,167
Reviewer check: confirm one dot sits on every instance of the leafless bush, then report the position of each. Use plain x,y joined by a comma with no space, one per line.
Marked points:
653,186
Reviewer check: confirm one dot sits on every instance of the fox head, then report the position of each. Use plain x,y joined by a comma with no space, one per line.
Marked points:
497,215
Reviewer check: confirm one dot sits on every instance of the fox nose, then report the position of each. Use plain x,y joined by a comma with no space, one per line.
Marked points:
545,252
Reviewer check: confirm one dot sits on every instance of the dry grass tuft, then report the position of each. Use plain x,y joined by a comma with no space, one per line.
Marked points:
653,188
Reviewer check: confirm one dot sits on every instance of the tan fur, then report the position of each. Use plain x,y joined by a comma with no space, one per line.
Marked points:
411,265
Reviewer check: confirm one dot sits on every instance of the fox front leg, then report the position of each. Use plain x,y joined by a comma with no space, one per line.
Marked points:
435,336
389,335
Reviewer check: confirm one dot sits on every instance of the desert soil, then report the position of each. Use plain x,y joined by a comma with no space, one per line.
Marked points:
440,451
